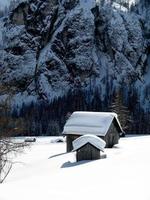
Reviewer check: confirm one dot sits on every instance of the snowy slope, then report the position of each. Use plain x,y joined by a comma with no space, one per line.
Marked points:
4,3
76,53
1,35
75,49
39,174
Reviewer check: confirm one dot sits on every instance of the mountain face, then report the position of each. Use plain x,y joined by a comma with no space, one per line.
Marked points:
74,55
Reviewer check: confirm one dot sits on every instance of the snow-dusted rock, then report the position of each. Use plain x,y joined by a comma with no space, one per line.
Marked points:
52,47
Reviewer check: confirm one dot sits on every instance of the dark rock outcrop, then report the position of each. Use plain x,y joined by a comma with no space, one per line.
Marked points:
52,49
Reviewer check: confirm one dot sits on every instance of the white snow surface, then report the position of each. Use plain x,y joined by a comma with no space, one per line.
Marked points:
1,36
39,174
96,123
92,139
4,3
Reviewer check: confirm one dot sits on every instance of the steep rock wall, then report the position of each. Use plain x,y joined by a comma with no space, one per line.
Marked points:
51,49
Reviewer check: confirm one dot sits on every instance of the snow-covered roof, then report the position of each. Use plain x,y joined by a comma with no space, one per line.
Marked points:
92,139
96,123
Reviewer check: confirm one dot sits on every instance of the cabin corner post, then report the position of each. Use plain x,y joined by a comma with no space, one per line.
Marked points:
69,143
67,146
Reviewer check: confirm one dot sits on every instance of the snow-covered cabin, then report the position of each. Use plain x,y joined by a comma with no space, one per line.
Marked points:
102,124
88,147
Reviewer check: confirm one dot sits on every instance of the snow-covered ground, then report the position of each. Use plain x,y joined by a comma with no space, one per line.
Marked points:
41,173
4,3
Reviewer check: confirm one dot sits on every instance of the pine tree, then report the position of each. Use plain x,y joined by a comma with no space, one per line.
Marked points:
122,111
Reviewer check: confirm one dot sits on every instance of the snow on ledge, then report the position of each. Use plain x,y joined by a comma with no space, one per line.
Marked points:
92,139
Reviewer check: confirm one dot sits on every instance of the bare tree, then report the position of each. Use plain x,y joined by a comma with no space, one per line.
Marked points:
8,146
9,127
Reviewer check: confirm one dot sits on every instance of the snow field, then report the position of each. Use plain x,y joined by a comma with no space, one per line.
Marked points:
39,174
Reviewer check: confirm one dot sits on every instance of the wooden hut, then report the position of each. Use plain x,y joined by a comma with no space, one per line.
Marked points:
102,124
88,147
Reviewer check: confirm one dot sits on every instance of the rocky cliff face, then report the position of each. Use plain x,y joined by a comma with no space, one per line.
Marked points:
56,49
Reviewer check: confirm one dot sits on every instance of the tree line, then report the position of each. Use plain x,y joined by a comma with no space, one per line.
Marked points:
48,119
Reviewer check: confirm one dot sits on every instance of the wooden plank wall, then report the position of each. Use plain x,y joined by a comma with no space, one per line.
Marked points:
88,152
